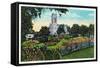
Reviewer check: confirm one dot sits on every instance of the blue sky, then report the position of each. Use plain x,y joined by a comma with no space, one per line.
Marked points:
82,14
73,16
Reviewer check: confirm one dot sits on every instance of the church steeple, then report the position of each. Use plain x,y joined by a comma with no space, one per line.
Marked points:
54,18
53,26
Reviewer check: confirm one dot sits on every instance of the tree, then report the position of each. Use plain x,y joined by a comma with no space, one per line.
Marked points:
44,31
91,29
75,30
83,30
60,29
26,21
43,34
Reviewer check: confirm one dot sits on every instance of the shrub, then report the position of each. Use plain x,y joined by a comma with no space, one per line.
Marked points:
67,37
53,38
27,44
52,54
43,38
50,37
32,51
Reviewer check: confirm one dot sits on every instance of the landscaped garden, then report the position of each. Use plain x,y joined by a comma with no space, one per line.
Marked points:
65,48
57,40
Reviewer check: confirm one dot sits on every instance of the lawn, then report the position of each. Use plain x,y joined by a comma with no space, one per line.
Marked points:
83,53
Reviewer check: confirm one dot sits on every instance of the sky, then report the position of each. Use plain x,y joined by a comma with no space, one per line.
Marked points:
74,15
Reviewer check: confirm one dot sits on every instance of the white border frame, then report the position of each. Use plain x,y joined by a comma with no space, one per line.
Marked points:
44,61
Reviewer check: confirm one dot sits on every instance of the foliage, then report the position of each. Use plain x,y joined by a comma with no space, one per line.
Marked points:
83,30
52,54
26,23
60,29
43,39
67,36
44,31
50,37
56,54
91,29
28,44
39,51
42,35
75,30
32,51
58,45
59,10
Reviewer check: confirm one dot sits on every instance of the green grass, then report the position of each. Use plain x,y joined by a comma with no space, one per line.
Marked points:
83,53
57,45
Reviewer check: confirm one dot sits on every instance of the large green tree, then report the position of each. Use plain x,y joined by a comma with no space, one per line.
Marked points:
75,30
84,30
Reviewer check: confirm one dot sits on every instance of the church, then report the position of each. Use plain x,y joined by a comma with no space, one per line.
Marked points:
53,27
